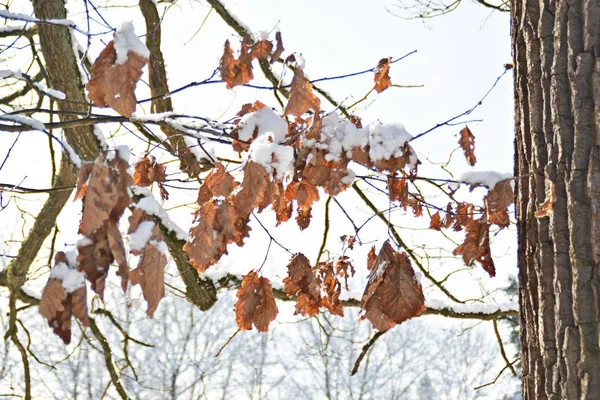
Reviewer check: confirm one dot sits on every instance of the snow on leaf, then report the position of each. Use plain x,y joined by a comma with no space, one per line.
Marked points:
219,182
113,84
256,303
334,177
150,271
467,143
235,72
546,208
57,304
393,293
301,98
497,202
382,77
301,283
476,246
147,171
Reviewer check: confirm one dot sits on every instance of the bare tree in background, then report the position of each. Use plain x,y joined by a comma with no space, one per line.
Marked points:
173,356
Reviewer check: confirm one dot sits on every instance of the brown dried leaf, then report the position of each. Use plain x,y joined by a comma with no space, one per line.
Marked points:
393,294
57,305
278,48
218,183
282,206
398,190
301,97
467,143
382,75
257,189
94,259
435,222
303,218
476,246
261,49
249,107
256,303
301,283
234,71
497,202
219,224
52,307
148,171
371,258
100,198
117,249
330,286
546,208
150,274
84,174
113,84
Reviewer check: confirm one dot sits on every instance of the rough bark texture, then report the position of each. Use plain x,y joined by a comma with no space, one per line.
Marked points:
556,47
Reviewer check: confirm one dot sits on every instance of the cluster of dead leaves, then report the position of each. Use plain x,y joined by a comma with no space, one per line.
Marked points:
317,286
112,84
391,296
459,216
103,186
148,171
238,71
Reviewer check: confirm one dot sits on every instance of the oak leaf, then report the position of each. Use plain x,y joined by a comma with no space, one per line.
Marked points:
301,283
256,303
497,201
393,293
398,190
218,183
58,303
476,246
94,258
278,48
235,72
218,224
382,75
467,143
261,49
147,171
330,286
150,271
114,84
301,98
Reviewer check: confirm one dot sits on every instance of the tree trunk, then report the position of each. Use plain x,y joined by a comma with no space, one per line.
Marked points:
556,47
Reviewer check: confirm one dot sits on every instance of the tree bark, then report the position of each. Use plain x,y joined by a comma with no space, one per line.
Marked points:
556,47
